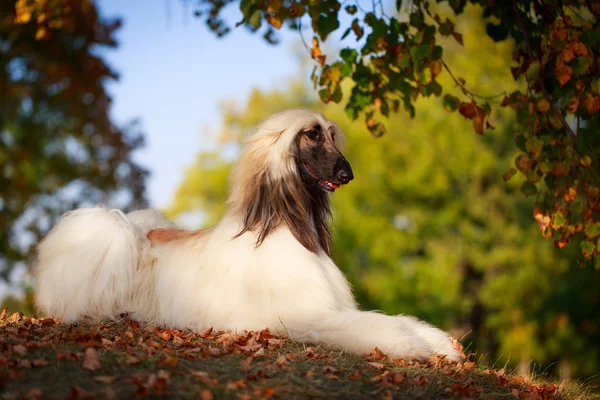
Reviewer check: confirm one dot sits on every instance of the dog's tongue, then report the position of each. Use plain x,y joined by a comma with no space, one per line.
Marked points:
331,184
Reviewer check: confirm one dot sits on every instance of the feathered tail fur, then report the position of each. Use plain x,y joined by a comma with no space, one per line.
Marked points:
88,261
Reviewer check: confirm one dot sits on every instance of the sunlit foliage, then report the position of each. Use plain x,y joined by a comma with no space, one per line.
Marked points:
398,58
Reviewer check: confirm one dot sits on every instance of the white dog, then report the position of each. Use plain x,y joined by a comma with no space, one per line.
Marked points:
265,265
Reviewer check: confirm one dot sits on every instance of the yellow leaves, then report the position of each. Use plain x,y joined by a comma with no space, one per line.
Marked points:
534,147
274,6
543,105
23,12
585,161
436,67
570,195
274,21
315,51
48,14
273,15
41,33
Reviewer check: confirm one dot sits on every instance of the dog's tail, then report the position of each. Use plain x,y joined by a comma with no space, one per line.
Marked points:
86,264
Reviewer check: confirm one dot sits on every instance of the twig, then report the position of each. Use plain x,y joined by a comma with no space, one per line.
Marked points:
540,81
302,36
467,90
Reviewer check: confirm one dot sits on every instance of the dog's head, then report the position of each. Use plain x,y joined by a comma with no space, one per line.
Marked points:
318,156
287,169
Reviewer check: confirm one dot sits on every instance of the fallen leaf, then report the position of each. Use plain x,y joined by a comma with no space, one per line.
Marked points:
235,385
378,354
32,394
206,394
469,365
265,392
132,360
107,380
91,360
397,378
167,361
40,362
20,349
355,375
78,393
282,361
377,366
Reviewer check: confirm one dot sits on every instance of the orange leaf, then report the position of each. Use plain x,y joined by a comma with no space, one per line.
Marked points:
468,110
563,74
591,103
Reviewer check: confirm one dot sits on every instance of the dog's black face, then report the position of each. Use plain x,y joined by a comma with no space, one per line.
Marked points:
320,163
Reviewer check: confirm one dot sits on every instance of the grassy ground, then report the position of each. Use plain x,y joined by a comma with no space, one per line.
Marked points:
41,358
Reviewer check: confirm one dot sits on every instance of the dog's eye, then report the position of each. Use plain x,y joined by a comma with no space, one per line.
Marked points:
313,134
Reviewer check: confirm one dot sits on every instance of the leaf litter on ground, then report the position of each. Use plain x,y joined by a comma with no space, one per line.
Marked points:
44,358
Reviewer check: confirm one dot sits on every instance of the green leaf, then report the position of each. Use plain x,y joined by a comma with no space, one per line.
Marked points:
534,146
255,19
451,103
419,52
425,76
416,19
559,220
349,55
497,32
324,95
403,60
346,33
587,248
592,229
581,65
437,52
336,96
327,25
509,174
528,189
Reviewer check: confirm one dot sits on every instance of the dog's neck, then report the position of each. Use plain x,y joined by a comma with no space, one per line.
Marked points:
303,209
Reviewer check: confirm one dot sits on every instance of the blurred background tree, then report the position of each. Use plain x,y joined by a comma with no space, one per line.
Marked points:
428,228
58,144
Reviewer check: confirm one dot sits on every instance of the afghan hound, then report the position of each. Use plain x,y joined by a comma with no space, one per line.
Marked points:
266,264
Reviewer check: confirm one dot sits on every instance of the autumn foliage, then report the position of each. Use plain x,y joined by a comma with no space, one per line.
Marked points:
397,57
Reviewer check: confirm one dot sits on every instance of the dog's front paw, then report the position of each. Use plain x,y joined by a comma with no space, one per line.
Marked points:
440,342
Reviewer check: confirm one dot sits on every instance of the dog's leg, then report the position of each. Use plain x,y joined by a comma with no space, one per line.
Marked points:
360,332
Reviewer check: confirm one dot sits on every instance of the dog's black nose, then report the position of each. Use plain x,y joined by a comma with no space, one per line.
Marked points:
343,171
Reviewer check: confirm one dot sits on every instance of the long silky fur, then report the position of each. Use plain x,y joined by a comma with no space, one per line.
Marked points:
287,201
276,194
266,264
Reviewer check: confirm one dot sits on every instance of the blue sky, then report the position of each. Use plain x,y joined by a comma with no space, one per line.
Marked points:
174,73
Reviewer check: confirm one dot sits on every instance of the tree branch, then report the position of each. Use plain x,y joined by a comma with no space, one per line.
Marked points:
467,91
